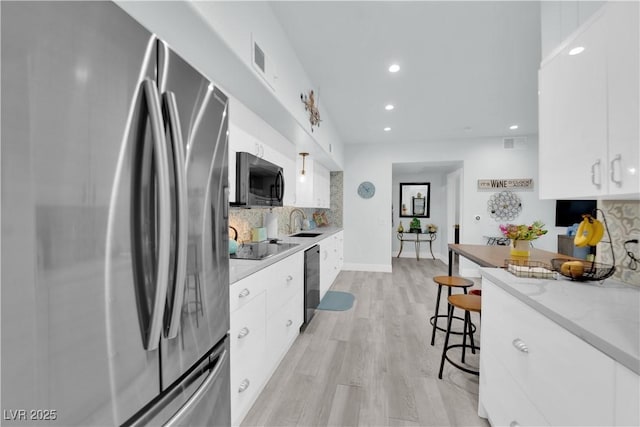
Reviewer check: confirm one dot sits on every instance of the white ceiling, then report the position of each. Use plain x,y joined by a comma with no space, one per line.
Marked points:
469,69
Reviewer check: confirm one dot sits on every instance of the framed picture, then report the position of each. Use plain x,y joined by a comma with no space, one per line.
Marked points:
414,199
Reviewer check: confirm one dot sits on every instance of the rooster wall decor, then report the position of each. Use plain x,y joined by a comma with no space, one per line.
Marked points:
310,106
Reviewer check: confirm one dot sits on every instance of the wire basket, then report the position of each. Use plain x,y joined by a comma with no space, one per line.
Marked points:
530,269
582,271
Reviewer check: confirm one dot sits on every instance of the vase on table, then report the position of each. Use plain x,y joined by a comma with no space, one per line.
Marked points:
520,248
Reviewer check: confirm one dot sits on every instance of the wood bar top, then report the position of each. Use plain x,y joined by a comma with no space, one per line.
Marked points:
495,255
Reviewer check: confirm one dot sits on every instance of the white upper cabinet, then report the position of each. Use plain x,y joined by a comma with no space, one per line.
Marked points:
315,190
588,110
623,77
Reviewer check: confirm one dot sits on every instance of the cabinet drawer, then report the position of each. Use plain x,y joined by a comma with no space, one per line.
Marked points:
567,379
246,289
247,329
283,327
503,399
285,282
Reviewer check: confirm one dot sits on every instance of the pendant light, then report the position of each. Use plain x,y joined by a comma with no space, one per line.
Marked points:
303,176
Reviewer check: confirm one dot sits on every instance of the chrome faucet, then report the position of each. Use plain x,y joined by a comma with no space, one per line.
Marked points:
292,225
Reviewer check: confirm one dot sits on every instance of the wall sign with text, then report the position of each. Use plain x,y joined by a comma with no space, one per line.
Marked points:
506,184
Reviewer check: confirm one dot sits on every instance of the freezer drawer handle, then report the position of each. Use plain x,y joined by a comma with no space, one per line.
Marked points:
289,322
244,293
177,145
179,417
244,385
243,332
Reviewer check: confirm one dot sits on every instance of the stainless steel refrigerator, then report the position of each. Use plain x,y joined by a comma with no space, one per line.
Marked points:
115,280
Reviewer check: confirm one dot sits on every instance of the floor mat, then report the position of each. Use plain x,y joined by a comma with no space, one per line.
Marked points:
336,301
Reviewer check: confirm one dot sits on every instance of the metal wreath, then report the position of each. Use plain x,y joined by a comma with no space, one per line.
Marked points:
310,106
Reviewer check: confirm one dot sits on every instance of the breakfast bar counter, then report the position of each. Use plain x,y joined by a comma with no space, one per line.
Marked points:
495,255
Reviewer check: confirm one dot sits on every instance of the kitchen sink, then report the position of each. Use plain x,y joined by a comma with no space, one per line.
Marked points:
306,235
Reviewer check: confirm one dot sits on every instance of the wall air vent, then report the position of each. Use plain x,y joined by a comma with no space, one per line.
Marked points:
258,57
515,143
262,64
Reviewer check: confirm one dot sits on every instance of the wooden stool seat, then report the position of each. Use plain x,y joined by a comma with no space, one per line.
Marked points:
453,281
466,302
450,282
469,303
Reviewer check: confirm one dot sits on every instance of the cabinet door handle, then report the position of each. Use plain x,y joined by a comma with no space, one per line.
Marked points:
243,332
520,345
593,174
244,293
612,168
289,278
289,322
514,424
244,385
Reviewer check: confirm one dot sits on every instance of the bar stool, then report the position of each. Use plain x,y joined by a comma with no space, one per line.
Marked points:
468,303
450,282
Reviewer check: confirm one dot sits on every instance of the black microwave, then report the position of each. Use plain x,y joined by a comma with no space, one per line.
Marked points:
258,182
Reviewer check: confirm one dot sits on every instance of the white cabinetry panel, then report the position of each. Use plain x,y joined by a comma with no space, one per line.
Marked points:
588,110
566,381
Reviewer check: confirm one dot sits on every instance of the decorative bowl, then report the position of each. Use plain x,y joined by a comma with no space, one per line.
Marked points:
581,270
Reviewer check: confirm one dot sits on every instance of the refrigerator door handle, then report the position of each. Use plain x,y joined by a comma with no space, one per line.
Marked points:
152,98
175,132
179,417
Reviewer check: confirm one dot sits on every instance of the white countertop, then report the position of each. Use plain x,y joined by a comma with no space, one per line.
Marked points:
607,315
241,268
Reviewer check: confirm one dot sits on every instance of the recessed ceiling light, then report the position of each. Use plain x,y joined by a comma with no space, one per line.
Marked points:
576,50
513,127
387,129
394,68
389,107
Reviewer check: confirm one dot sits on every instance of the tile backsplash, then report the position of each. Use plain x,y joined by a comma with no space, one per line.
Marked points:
623,220
245,219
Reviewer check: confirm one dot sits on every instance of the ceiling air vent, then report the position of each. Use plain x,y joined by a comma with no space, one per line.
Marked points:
263,64
515,143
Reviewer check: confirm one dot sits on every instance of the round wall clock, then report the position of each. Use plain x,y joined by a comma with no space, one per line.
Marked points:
366,190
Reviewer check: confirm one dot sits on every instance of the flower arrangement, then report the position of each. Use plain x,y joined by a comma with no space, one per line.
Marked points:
431,228
523,231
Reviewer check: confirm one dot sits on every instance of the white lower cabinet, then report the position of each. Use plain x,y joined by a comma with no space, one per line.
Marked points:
627,397
266,315
331,260
534,372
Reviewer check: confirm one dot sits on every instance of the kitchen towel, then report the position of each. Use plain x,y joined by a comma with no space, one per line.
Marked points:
270,222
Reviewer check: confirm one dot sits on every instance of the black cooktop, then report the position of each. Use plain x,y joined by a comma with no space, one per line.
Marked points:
260,250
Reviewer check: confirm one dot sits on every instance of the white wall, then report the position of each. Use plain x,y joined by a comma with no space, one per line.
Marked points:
215,37
367,223
437,214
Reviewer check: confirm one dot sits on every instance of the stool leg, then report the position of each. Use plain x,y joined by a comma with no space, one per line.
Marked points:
446,340
473,344
435,318
464,334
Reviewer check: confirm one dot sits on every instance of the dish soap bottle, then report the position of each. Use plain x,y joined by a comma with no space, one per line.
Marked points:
400,228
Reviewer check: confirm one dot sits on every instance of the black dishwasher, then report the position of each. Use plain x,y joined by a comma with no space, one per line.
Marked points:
311,283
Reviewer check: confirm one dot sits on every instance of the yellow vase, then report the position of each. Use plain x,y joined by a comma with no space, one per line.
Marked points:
520,248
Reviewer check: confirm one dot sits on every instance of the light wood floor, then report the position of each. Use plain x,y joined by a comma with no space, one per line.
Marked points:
373,365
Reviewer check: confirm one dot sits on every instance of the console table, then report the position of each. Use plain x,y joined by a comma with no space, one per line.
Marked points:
427,237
